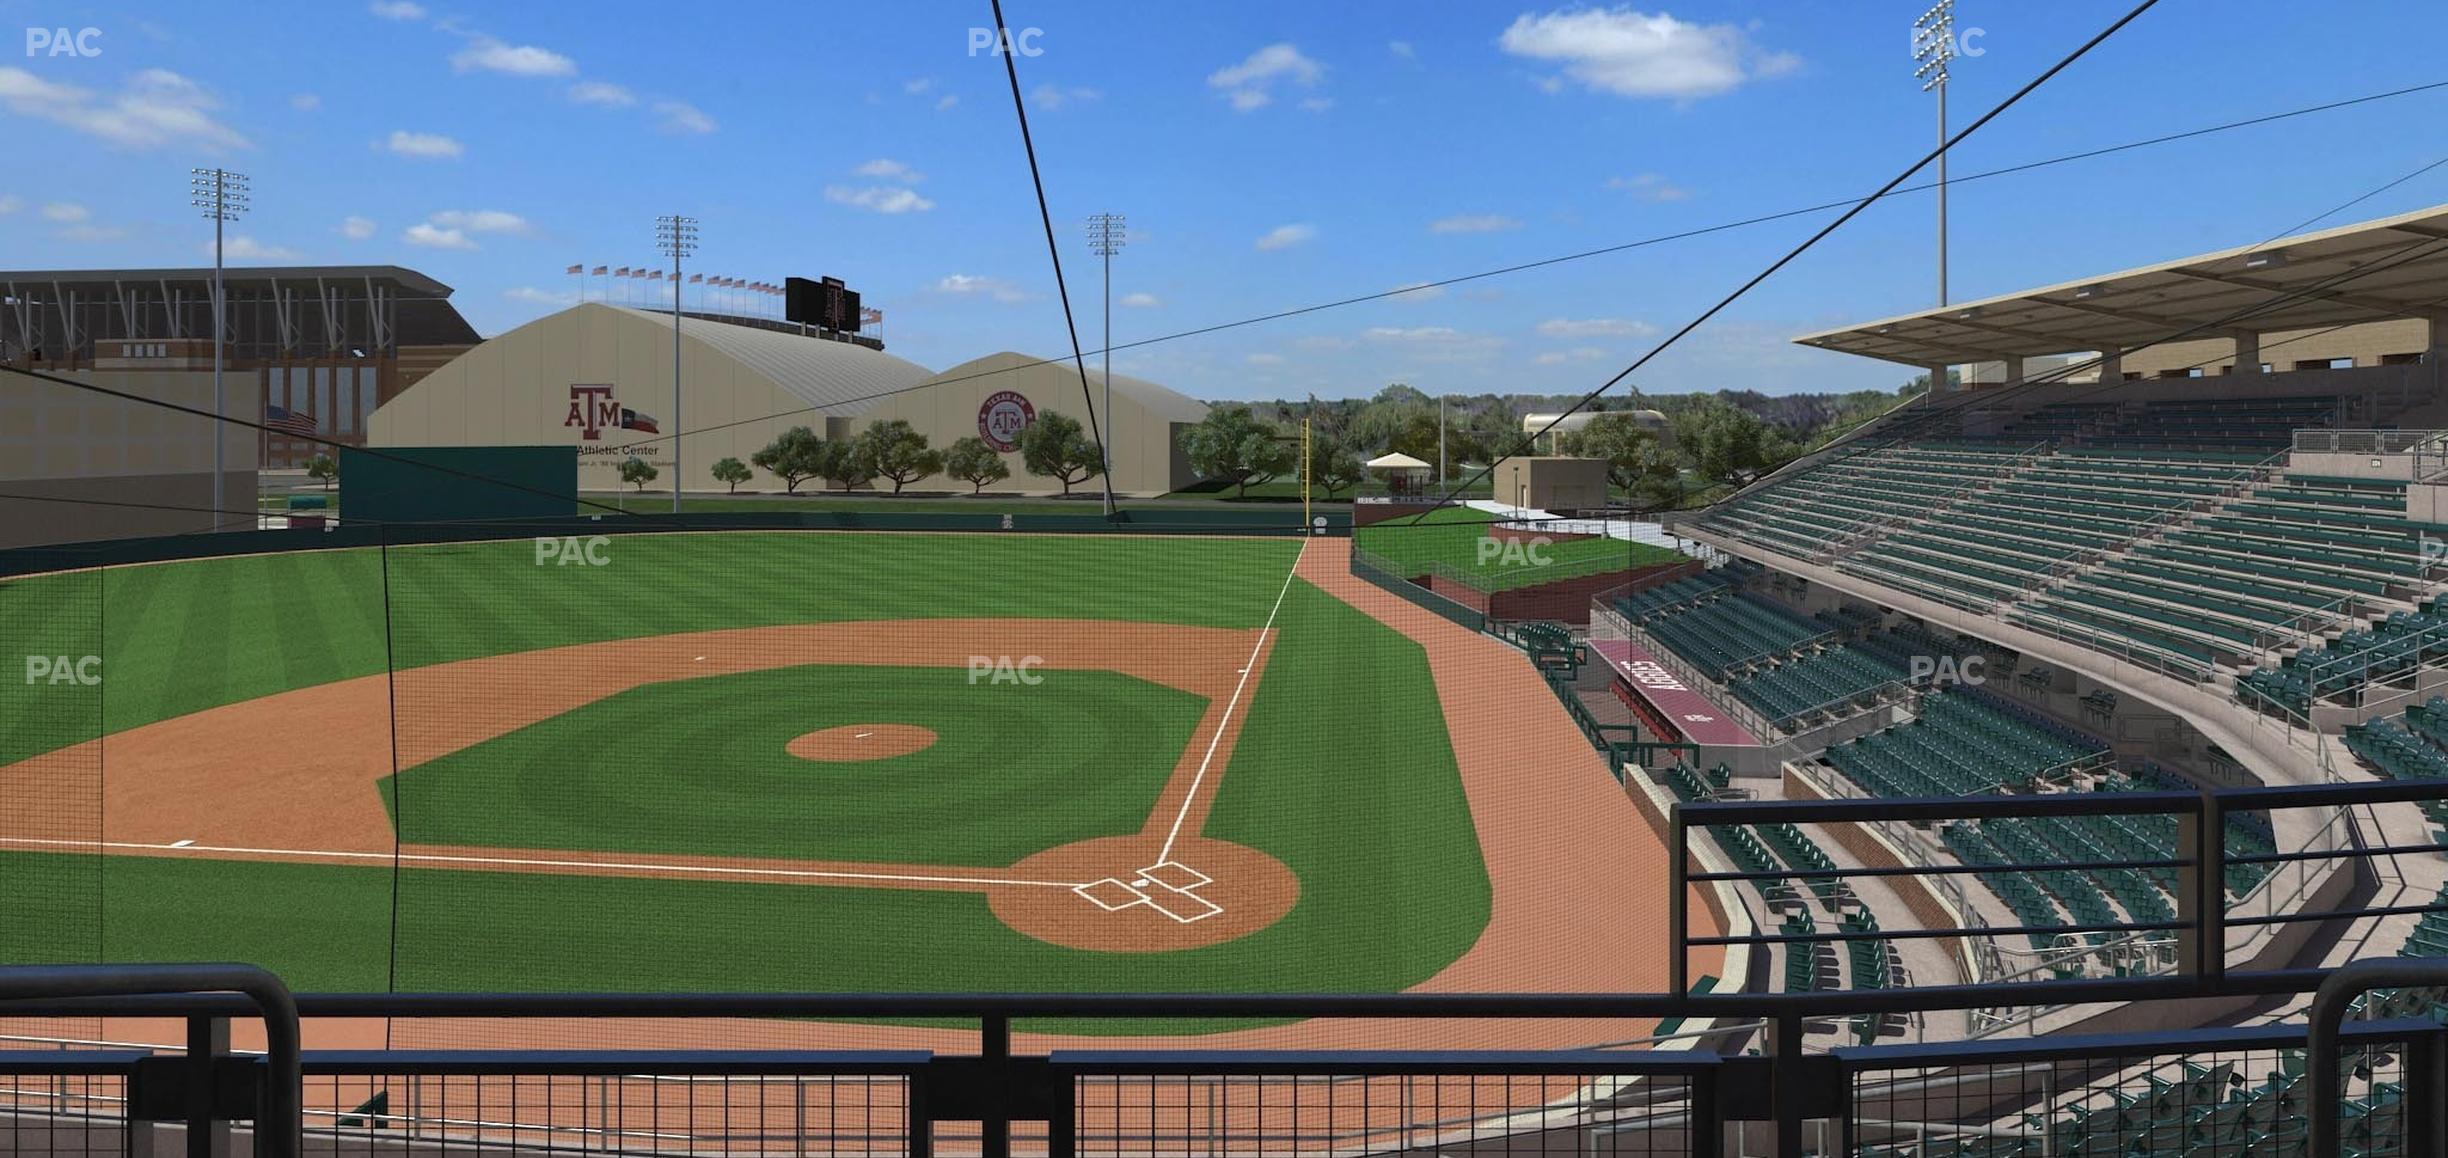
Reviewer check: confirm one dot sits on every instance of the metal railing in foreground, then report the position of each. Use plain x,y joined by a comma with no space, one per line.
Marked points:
2167,1090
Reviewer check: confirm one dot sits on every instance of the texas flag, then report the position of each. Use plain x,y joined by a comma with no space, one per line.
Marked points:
632,420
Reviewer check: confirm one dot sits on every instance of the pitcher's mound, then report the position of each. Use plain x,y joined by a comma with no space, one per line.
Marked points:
862,742
1133,898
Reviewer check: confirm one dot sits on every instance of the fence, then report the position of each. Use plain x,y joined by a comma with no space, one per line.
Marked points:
1388,575
2377,1084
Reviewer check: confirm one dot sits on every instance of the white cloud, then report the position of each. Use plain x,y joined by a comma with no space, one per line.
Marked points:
10,204
533,296
1251,83
1403,49
306,102
1474,223
244,248
878,198
65,212
357,228
480,221
1436,343
1286,236
1596,328
1141,301
602,93
154,108
92,233
485,54
1053,96
1649,187
918,86
1418,292
424,145
887,169
1266,359
397,9
964,285
427,235
681,117
1634,54
1576,354
947,102
1317,104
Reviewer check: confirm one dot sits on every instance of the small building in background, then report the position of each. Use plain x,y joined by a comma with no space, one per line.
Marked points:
1552,483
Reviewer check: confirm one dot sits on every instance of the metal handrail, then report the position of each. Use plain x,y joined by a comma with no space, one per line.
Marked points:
278,1131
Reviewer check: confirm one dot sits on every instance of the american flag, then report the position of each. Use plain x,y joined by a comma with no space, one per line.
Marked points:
696,278
869,317
580,268
599,271
288,421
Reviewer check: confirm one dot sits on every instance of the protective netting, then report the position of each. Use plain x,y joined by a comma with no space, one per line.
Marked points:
819,761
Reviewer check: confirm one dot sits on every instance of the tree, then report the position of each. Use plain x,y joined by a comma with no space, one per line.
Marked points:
732,471
1333,465
849,465
899,452
1056,447
1728,445
794,456
321,466
638,472
1636,463
972,461
1231,444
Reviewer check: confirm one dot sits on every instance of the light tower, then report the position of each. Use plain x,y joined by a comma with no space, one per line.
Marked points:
1933,46
222,195
677,237
1106,233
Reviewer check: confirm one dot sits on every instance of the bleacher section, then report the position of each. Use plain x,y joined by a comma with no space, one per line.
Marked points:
1873,962
2165,534
1823,682
1727,631
2390,649
1966,744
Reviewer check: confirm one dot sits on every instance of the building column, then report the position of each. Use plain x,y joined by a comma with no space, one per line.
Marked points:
2247,351
1938,379
2014,370
2112,365
2437,349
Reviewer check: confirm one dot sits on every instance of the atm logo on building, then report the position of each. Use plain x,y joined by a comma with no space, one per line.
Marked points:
593,410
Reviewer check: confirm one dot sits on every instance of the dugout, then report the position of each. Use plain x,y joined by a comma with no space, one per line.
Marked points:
458,484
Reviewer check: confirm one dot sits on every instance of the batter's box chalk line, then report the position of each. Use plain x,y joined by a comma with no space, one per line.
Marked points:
1169,887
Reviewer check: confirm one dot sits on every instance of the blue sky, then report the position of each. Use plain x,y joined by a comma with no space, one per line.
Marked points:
1268,154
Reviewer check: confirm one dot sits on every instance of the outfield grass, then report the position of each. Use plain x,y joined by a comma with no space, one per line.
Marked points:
1452,536
1342,771
699,767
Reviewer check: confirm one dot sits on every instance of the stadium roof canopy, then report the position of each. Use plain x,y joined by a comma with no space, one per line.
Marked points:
2395,267
407,282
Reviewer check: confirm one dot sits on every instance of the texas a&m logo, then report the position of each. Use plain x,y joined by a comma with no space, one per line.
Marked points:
592,410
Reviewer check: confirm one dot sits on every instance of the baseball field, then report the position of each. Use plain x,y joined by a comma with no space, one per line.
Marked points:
892,762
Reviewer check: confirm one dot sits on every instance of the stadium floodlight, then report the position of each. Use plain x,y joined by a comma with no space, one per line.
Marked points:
676,236
222,195
1106,233
1933,44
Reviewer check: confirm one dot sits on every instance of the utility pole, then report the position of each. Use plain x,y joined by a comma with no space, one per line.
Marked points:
678,237
222,195
1106,234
